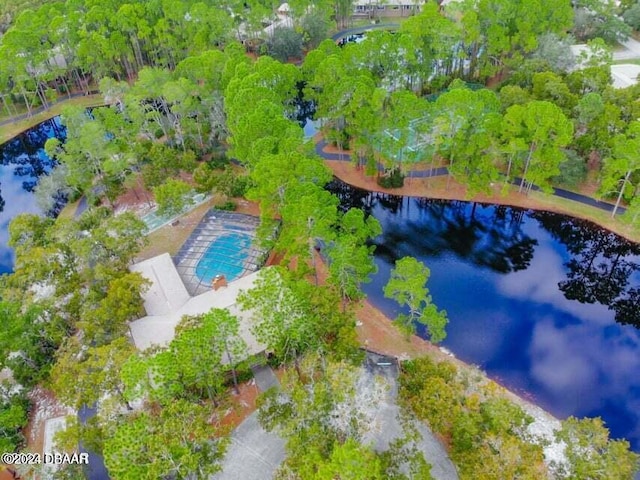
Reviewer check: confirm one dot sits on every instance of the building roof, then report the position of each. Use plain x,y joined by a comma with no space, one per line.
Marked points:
167,292
282,22
625,75
167,301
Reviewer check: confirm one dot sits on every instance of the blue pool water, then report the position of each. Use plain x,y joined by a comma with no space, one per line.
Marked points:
225,256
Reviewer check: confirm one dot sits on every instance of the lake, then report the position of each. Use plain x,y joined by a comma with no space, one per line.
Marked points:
546,304
22,162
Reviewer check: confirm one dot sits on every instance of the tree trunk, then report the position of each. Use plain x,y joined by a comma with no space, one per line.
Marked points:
233,368
624,184
526,167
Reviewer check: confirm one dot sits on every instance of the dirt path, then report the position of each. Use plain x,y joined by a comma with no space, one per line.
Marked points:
443,187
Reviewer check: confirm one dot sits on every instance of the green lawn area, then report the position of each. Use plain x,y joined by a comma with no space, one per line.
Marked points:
7,132
634,61
69,210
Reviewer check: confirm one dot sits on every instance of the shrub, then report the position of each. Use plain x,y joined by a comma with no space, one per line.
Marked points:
171,196
573,170
228,206
393,179
284,43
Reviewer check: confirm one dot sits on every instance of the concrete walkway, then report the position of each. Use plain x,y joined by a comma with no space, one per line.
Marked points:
254,453
265,378
388,427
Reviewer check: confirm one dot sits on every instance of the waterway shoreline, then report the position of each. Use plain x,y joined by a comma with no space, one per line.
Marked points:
377,333
16,126
446,188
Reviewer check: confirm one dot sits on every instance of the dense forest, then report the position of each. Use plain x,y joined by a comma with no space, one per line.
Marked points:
190,85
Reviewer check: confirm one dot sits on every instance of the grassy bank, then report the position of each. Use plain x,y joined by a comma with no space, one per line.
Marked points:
449,189
7,132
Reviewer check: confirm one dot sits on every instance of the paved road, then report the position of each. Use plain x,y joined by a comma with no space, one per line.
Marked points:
436,172
356,30
254,453
631,51
388,426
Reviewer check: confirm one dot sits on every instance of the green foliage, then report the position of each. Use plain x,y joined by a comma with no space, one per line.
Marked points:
285,43
175,441
573,170
432,392
75,259
121,304
618,170
163,375
13,417
407,286
35,334
350,258
323,410
228,182
534,135
590,453
172,196
83,375
229,206
488,433
598,18
315,27
280,318
162,162
631,16
393,179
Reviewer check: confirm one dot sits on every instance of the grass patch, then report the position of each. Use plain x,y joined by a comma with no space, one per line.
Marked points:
69,209
633,61
170,238
7,132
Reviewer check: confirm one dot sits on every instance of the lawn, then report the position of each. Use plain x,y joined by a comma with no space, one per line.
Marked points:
7,132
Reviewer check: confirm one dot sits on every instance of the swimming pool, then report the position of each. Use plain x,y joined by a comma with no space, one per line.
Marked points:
226,256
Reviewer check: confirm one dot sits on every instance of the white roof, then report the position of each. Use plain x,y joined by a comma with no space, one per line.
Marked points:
164,299
167,292
283,22
625,75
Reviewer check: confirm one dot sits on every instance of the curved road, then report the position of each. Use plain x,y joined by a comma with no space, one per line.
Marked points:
356,30
558,192
632,51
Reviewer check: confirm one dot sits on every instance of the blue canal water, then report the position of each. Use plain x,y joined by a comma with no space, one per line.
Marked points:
546,304
22,162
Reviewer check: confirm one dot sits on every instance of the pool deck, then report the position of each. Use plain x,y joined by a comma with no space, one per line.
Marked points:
209,251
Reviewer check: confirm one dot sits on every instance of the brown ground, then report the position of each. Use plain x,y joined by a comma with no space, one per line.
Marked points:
240,406
447,188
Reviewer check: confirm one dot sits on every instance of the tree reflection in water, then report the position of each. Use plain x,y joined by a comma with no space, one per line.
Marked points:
25,153
487,236
600,268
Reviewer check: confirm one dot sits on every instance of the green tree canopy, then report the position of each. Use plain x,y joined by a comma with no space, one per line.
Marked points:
407,286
